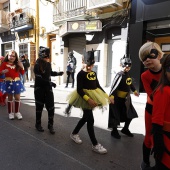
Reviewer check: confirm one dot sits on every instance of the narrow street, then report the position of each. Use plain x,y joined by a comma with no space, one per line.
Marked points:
24,148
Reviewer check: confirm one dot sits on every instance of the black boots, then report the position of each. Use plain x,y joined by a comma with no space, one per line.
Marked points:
51,129
67,110
115,133
127,132
39,127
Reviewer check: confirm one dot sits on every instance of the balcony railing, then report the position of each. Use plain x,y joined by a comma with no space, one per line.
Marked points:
93,4
22,20
66,9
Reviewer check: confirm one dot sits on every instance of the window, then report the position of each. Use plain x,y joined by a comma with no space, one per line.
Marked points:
165,47
97,55
23,49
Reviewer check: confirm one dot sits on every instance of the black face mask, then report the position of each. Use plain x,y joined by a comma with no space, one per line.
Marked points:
153,55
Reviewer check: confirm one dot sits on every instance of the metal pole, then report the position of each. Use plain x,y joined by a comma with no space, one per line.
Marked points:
37,28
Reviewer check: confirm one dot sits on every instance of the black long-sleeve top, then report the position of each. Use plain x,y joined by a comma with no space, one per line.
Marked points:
43,78
122,82
87,80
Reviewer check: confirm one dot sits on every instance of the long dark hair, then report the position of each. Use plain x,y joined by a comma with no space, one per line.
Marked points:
42,64
165,61
16,59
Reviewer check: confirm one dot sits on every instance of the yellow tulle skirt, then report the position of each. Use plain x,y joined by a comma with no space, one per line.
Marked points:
97,95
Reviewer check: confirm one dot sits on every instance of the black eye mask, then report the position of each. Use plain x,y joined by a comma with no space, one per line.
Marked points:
153,55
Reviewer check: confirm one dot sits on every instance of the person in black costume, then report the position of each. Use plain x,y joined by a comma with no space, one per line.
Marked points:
88,95
71,67
122,110
43,88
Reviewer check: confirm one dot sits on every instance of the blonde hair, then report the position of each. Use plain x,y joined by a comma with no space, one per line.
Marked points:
146,48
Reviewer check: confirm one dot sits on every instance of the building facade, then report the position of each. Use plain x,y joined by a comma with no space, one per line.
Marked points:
112,28
150,21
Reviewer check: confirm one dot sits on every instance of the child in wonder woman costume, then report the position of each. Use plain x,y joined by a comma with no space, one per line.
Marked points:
88,96
2,86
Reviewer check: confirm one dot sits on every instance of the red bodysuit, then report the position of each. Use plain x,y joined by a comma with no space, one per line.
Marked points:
161,116
150,80
12,73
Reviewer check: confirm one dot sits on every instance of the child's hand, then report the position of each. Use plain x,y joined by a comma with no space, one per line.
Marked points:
111,100
136,93
4,71
92,103
20,64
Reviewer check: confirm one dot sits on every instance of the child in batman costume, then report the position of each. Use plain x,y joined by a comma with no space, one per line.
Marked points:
88,96
43,88
122,110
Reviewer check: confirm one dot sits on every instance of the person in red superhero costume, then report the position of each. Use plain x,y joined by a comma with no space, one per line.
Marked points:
161,118
150,54
2,85
12,68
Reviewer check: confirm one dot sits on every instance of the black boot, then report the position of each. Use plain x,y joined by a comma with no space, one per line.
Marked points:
51,129
146,157
115,133
127,132
39,127
67,110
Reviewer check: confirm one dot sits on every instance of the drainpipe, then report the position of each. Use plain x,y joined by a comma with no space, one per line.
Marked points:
37,28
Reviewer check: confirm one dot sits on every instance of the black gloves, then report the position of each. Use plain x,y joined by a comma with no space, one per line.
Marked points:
60,73
53,84
158,140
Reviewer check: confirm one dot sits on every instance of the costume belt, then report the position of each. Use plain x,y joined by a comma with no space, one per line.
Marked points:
11,79
166,126
2,80
122,94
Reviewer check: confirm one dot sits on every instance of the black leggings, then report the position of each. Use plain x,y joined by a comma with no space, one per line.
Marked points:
160,166
87,117
44,96
68,77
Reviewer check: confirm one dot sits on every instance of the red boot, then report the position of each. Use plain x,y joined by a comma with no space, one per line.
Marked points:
4,99
17,106
10,110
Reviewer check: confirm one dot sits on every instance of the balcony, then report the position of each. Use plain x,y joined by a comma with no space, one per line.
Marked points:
22,20
65,10
68,10
95,4
4,26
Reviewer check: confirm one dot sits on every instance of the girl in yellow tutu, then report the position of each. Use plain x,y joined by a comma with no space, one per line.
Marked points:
88,95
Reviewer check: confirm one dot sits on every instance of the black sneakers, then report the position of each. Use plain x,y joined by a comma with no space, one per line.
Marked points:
115,134
127,132
39,128
145,166
51,129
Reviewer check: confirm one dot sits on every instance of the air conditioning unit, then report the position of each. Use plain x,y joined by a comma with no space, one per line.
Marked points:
93,4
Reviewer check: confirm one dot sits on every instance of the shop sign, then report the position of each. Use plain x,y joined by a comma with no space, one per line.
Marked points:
80,26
